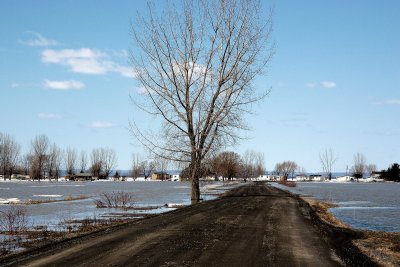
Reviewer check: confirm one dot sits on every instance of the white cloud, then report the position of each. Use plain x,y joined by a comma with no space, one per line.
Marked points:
86,61
328,84
36,39
390,102
311,85
63,85
60,56
102,124
324,84
126,71
14,85
50,116
17,85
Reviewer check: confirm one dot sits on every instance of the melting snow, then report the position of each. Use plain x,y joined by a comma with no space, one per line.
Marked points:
9,200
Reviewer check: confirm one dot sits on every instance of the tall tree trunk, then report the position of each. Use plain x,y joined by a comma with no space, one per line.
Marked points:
195,196
195,190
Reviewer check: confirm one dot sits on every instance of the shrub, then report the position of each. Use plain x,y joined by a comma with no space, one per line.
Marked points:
13,219
119,199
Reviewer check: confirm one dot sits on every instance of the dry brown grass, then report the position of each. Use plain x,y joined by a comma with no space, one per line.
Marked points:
287,183
382,247
322,210
42,201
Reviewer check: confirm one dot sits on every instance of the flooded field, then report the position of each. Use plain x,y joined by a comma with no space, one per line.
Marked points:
372,206
80,198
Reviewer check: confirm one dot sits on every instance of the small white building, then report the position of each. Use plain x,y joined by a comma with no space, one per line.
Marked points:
268,178
300,178
316,178
343,179
175,178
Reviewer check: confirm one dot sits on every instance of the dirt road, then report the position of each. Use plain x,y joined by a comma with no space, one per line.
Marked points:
253,225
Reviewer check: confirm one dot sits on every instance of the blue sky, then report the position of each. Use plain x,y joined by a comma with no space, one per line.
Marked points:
335,79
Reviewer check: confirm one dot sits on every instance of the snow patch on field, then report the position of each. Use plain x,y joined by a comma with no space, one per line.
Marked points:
60,185
9,200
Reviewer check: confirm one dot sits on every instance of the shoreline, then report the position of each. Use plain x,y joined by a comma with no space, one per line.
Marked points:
380,246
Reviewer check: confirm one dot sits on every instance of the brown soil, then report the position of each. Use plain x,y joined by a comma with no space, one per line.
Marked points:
252,225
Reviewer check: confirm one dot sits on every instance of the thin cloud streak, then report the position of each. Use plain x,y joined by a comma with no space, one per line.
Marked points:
328,84
323,84
37,40
389,102
50,116
63,85
102,124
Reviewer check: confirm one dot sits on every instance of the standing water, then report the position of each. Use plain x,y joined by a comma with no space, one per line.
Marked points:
154,194
372,206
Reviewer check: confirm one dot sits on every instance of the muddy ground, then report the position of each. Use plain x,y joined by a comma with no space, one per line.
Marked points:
253,225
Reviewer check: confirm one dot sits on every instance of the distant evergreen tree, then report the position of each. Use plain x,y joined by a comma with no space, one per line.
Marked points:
392,173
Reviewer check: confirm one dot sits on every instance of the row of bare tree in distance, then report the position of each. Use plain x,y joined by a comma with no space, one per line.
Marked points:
328,159
46,159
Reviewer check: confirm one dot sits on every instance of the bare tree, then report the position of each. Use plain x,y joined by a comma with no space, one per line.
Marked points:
286,168
136,167
25,163
252,164
9,154
227,164
83,161
371,168
358,168
70,160
163,165
54,161
103,161
109,160
96,160
39,153
147,167
196,65
57,156
327,159
259,167
248,159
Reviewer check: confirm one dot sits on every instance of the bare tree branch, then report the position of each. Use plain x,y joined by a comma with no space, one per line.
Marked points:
196,64
327,158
